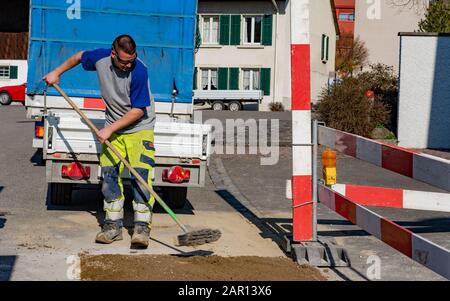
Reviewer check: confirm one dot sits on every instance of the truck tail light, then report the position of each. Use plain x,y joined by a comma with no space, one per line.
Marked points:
39,129
176,174
75,171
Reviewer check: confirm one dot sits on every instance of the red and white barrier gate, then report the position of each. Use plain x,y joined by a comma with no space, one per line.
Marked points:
410,244
394,197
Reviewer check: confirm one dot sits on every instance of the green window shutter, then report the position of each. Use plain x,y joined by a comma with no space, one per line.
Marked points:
13,72
322,56
327,48
235,38
234,79
195,78
224,29
265,80
267,30
198,36
223,79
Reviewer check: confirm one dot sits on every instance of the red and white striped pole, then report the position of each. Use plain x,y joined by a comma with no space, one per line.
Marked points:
302,213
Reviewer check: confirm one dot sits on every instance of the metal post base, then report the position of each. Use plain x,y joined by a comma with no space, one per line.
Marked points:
319,254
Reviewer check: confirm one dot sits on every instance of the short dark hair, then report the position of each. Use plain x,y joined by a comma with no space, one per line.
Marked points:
125,43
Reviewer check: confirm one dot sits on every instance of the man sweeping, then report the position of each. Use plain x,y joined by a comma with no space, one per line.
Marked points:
130,120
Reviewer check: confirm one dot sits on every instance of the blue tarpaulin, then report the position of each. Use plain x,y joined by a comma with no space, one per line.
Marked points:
164,32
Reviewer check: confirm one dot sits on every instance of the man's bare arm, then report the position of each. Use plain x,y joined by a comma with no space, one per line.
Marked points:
128,119
53,77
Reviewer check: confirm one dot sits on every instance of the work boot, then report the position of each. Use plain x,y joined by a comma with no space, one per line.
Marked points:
141,235
111,231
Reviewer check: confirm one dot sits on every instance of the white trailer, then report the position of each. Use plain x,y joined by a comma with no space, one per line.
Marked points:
231,99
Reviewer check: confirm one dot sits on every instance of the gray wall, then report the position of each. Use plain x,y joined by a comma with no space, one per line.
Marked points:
424,100
378,23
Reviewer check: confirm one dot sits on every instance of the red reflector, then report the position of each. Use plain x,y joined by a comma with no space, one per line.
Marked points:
94,103
56,155
176,174
195,161
75,171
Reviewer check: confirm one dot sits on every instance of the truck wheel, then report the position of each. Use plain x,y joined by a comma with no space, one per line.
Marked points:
5,98
60,194
235,106
218,106
175,197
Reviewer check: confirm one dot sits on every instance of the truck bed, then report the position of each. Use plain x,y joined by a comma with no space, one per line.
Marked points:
68,133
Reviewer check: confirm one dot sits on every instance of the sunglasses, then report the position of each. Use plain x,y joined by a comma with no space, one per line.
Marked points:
124,62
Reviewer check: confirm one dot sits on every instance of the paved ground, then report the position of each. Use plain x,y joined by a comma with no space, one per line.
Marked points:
243,198
272,207
261,197
38,240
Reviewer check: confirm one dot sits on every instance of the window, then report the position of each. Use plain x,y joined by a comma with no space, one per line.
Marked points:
252,29
209,79
251,79
346,17
210,30
4,72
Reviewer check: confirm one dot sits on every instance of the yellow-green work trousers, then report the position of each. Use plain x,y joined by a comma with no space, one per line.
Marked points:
139,150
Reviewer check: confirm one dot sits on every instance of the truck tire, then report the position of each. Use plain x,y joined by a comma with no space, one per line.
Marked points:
60,194
218,106
175,197
5,98
235,106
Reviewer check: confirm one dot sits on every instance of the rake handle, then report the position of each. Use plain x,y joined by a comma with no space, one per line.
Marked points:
121,158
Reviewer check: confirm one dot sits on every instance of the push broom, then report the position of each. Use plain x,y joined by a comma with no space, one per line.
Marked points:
189,238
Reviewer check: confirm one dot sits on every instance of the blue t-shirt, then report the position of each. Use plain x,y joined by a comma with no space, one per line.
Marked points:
122,90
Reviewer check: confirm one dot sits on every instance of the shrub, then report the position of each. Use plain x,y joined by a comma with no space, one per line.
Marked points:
346,107
384,83
437,18
351,54
276,107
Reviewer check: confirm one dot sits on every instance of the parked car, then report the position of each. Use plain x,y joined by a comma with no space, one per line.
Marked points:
9,94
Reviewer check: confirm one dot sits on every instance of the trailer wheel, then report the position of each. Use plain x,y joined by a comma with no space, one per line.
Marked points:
235,106
218,106
5,98
60,194
175,197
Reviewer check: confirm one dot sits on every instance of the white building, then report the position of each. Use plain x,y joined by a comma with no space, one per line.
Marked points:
13,72
246,46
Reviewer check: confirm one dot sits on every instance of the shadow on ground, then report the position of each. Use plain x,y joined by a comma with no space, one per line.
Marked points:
88,198
38,159
2,215
422,226
270,227
6,267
